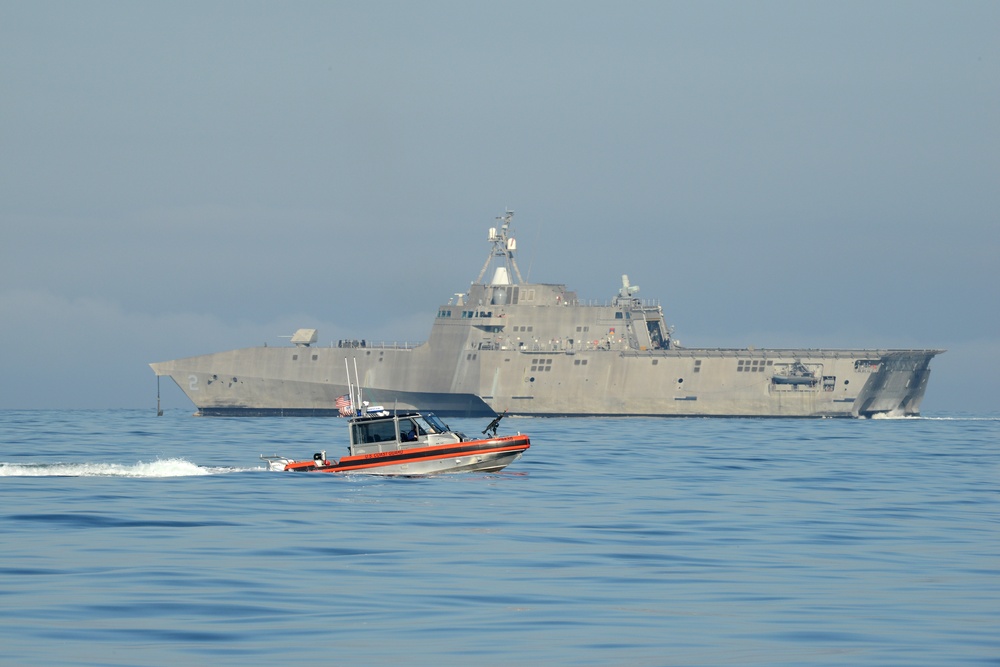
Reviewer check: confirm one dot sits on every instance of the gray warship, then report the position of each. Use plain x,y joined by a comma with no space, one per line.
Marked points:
536,349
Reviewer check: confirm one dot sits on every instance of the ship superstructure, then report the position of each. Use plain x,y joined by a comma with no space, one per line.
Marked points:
536,349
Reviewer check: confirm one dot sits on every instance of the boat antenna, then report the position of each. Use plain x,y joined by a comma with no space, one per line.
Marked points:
359,408
355,404
159,410
350,388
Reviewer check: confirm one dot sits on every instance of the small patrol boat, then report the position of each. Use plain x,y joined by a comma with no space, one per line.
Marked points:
412,444
796,375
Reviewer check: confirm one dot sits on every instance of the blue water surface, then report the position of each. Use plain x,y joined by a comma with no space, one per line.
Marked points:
132,539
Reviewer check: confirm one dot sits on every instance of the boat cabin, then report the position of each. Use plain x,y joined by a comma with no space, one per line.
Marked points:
374,435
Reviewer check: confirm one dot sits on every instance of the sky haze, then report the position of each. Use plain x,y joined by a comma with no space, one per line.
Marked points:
190,177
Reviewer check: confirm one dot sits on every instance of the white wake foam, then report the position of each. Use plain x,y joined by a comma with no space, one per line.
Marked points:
158,468
894,415
939,418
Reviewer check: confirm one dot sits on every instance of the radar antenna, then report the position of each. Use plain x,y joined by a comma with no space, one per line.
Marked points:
502,253
627,293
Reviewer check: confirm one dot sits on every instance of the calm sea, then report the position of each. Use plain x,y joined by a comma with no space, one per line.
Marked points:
131,539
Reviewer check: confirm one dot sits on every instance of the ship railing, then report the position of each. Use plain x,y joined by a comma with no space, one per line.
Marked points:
556,346
774,352
621,345
375,345
607,303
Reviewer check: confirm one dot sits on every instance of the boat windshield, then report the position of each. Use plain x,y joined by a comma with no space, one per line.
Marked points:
433,424
383,430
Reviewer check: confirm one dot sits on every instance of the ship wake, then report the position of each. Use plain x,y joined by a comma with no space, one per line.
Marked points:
158,468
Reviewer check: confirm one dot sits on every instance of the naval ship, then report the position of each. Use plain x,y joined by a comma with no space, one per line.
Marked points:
536,349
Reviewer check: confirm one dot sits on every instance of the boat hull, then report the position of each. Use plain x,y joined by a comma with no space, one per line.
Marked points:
476,456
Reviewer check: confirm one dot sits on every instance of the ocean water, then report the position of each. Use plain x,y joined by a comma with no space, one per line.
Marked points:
131,539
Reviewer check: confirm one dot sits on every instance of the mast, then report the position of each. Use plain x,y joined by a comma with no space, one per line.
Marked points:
502,254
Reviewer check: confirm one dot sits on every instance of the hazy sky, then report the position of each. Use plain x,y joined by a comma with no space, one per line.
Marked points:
178,178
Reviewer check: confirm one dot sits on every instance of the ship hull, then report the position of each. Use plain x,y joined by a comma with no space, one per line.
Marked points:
667,383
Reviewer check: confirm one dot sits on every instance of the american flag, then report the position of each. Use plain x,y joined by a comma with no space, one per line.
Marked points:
343,403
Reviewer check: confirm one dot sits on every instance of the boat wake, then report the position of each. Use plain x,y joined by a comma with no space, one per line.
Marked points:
939,418
158,468
894,415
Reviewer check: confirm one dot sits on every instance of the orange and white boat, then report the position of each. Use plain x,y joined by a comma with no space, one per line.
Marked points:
412,444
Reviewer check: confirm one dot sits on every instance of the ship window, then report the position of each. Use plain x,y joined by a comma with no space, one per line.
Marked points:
656,362
315,357
295,357
618,316
541,365
697,365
